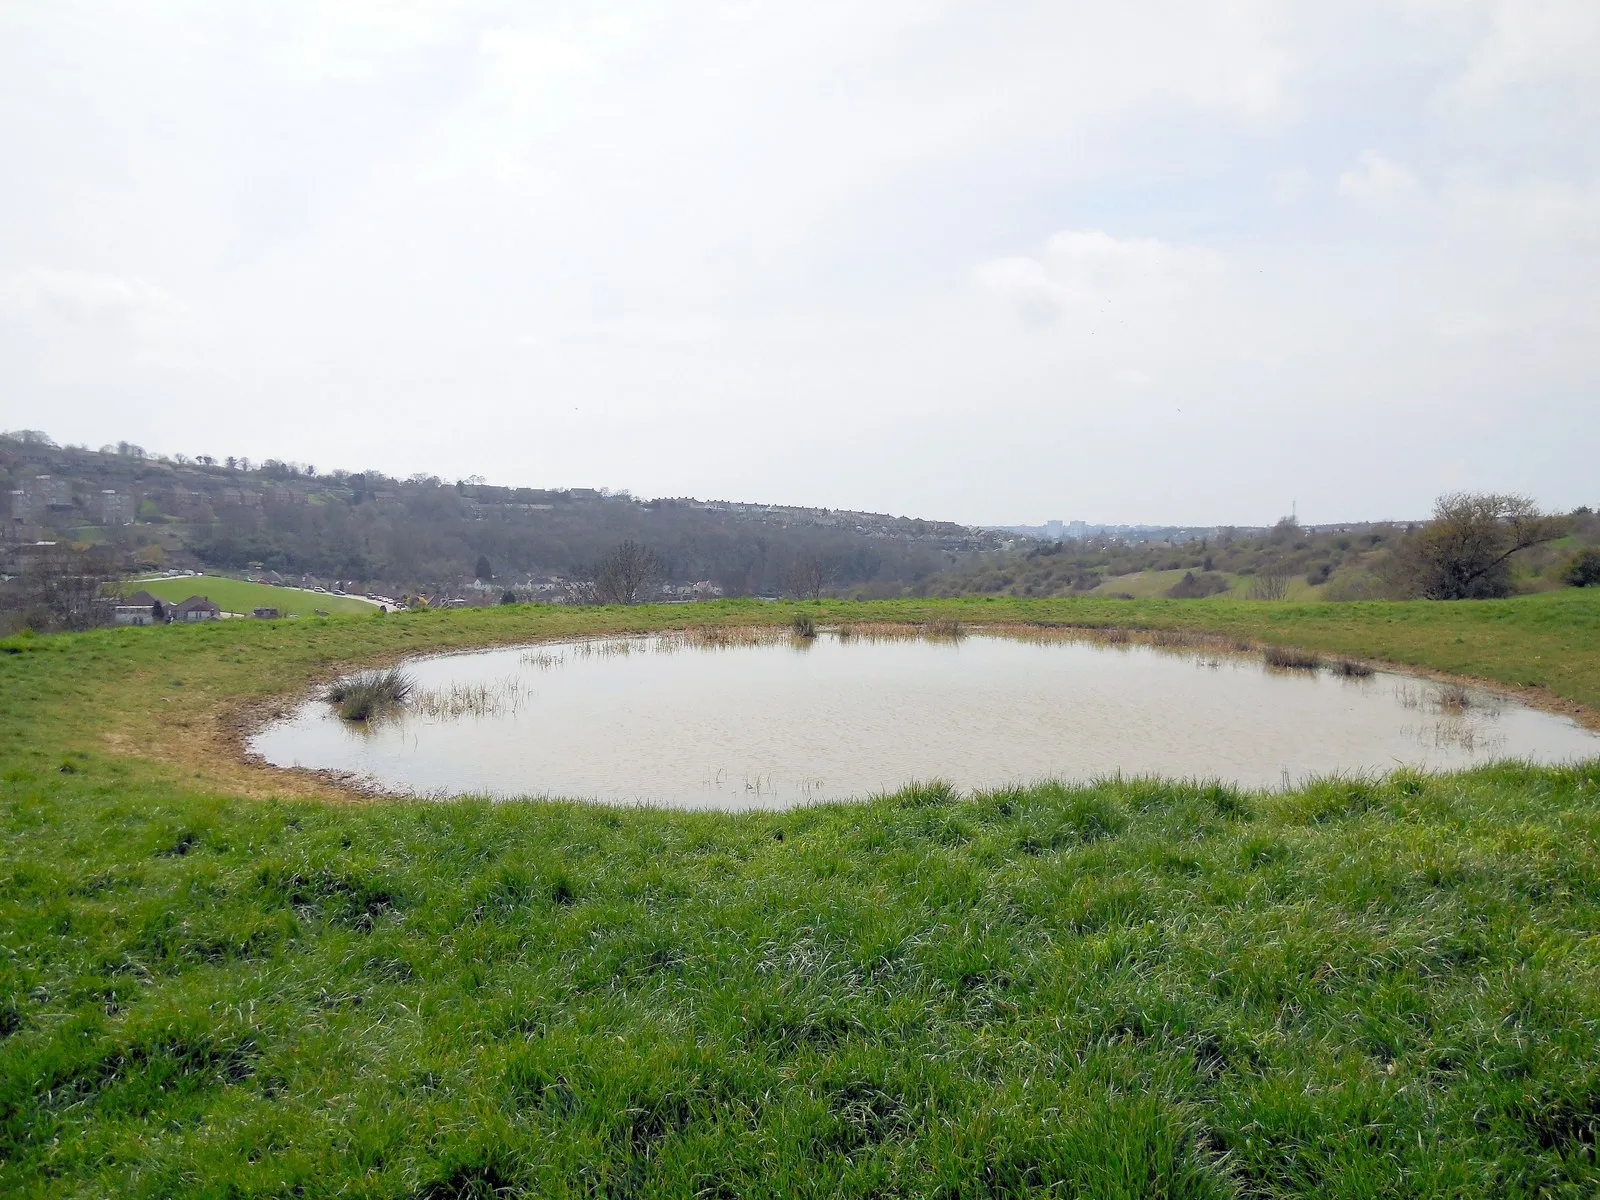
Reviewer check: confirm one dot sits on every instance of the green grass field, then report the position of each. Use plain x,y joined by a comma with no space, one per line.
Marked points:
242,596
210,985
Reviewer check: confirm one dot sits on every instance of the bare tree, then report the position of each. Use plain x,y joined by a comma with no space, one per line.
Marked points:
807,577
1464,553
1271,582
625,576
58,588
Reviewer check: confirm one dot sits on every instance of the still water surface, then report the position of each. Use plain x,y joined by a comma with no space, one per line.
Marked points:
657,720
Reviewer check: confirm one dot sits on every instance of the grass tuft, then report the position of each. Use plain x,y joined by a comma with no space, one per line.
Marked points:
368,694
1351,668
1290,658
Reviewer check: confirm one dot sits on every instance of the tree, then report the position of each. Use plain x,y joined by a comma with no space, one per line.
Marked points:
1198,587
58,588
1584,569
1464,553
31,437
807,577
625,576
1271,582
508,597
484,570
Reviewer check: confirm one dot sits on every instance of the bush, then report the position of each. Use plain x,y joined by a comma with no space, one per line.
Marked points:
369,693
1465,552
1353,585
1584,569
1351,668
1288,658
1269,585
1198,587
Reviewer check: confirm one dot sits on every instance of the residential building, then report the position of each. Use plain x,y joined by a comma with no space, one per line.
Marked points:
48,492
196,608
115,508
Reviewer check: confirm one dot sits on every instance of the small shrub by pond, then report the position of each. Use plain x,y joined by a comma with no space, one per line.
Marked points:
363,696
1349,668
1289,658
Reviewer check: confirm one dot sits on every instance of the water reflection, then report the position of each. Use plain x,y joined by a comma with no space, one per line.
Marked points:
739,718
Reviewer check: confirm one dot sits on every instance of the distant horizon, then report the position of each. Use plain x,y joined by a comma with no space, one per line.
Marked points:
173,457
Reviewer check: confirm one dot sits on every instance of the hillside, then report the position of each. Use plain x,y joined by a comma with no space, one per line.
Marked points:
423,534
1342,563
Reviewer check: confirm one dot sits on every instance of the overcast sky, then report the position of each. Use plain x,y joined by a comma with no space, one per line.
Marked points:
991,262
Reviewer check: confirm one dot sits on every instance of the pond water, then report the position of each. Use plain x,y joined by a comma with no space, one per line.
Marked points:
670,720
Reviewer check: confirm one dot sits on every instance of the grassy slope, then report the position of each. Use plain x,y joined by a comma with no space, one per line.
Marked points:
1352,989
242,596
1143,585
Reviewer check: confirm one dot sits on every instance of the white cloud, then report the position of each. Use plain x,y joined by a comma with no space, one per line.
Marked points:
684,329
358,40
1094,262
1088,269
82,298
1025,284
1380,183
1529,44
95,319
1558,213
1292,186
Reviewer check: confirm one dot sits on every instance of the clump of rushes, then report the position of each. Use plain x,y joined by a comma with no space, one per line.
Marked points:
845,632
366,694
945,629
1291,659
805,627
1351,668
1453,699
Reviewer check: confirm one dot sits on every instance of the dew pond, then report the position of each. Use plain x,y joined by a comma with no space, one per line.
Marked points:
745,719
